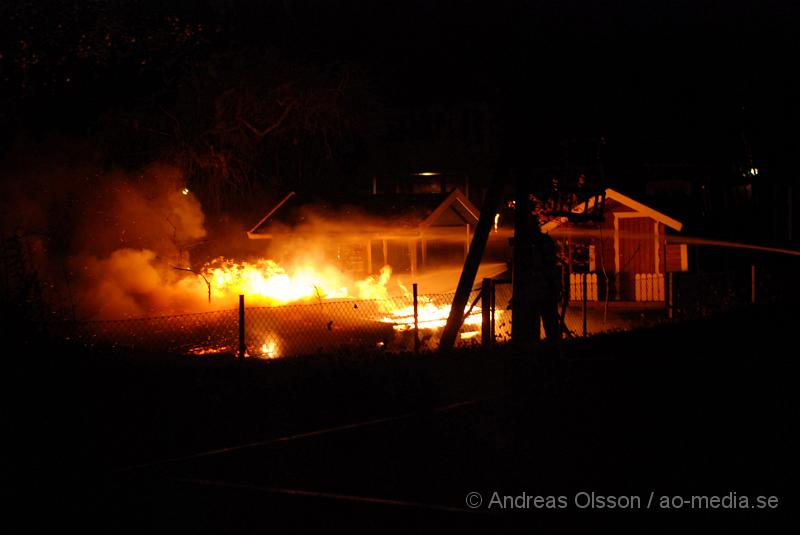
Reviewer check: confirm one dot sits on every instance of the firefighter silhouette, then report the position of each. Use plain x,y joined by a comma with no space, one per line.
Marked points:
540,266
546,282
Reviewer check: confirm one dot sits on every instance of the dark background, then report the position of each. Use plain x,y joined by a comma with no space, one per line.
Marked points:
682,98
703,84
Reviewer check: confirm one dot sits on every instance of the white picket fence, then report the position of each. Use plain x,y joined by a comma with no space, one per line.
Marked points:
576,286
649,287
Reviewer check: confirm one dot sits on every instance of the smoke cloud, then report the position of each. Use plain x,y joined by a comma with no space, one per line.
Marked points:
115,244
103,243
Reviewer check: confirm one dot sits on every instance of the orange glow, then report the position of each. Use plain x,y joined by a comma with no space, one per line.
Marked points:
201,350
429,316
269,350
266,283
372,288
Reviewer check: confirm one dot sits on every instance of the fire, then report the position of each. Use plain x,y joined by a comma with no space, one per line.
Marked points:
429,316
269,350
372,288
267,283
204,349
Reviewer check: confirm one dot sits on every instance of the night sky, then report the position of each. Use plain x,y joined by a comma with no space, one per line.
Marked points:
676,82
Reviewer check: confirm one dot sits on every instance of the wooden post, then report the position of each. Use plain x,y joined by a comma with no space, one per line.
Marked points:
470,270
667,289
668,297
242,346
493,305
617,263
487,333
412,253
416,320
585,289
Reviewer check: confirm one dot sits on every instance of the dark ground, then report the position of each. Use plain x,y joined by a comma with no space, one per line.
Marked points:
702,408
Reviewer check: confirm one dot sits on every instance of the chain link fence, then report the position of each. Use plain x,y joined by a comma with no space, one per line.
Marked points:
298,329
696,295
397,325
323,327
192,334
576,321
386,324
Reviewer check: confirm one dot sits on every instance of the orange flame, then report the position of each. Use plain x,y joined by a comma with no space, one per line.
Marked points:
269,350
267,283
429,316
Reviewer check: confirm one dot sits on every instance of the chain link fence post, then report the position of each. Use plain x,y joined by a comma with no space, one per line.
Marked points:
416,320
585,304
242,345
487,334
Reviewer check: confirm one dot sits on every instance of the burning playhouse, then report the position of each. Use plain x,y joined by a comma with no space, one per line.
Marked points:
412,232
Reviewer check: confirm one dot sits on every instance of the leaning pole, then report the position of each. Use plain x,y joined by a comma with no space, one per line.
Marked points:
467,279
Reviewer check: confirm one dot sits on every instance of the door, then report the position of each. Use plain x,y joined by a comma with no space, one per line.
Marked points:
636,253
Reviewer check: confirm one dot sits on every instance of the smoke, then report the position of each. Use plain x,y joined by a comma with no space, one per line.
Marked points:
134,282
147,211
115,244
106,241
132,234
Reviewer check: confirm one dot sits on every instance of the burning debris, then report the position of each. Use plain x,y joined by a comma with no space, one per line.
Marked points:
429,316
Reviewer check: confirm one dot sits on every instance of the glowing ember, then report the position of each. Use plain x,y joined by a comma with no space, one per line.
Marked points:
269,350
207,350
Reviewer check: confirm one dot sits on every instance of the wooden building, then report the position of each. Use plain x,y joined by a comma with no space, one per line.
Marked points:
410,232
625,255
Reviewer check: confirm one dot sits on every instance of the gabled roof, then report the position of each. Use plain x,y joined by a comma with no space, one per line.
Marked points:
636,206
458,203
383,214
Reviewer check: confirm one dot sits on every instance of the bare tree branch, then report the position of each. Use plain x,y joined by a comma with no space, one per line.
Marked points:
273,126
199,274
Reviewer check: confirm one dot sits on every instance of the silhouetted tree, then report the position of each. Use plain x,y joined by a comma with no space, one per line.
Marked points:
252,119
